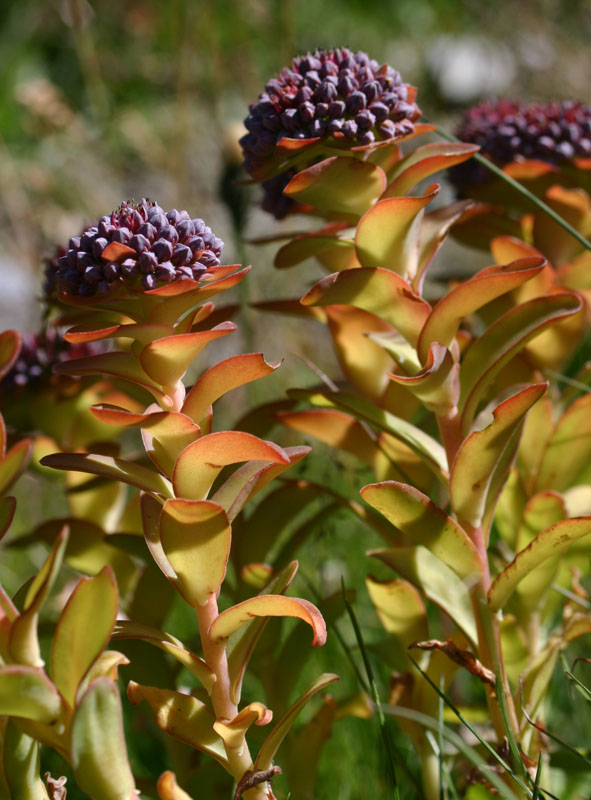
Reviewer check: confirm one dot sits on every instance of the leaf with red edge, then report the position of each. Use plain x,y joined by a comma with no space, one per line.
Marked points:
574,206
169,307
166,360
10,345
340,184
424,523
388,235
14,463
436,384
200,463
553,541
126,629
273,741
504,339
220,379
83,333
118,365
195,536
424,162
27,692
183,717
310,245
248,480
378,291
434,229
116,469
165,433
241,645
7,509
98,750
479,454
268,605
83,631
233,731
400,608
490,283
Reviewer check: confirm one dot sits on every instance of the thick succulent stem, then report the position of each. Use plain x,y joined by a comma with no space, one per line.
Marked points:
221,697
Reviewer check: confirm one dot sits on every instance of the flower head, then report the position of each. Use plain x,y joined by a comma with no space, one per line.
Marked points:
39,353
508,131
138,244
329,93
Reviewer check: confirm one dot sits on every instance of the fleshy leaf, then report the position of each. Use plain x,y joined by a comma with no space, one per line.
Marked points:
503,339
183,717
490,283
425,446
241,646
195,537
480,452
233,731
342,185
309,245
114,468
14,463
424,523
268,605
98,751
21,765
437,383
567,452
200,463
83,631
23,641
27,692
553,541
424,162
221,378
379,291
168,788
127,629
273,741
10,345
400,608
388,234
441,585
166,360
7,509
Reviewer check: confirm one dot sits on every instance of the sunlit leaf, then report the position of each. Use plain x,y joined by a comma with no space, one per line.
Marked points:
127,629
220,379
436,384
503,339
168,788
309,245
481,451
424,523
27,692
268,605
14,463
76,643
233,731
21,765
114,468
200,463
488,284
379,291
553,541
438,582
425,161
388,234
183,717
98,751
343,185
400,609
567,451
195,537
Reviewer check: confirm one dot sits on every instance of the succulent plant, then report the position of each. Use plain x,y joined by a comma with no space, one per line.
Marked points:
138,244
329,94
508,131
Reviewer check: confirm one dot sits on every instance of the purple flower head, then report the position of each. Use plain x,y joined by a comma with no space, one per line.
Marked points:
320,96
138,245
508,131
39,353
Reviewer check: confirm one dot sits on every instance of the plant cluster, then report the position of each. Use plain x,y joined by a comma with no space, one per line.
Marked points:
481,488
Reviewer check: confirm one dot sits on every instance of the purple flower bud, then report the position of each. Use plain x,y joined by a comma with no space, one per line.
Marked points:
165,272
98,247
366,138
185,272
148,230
162,249
121,235
336,109
74,243
185,229
149,282
345,86
380,111
147,263
195,243
208,259
169,232
365,120
129,268
139,243
306,112
321,110
181,255
111,271
93,274
350,129
198,272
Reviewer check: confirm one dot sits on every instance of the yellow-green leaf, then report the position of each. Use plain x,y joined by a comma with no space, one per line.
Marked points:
27,692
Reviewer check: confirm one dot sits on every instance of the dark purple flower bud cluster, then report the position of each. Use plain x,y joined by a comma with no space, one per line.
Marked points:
39,353
274,201
327,93
161,247
508,131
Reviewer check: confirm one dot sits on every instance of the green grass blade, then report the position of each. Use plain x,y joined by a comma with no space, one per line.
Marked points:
386,738
513,746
